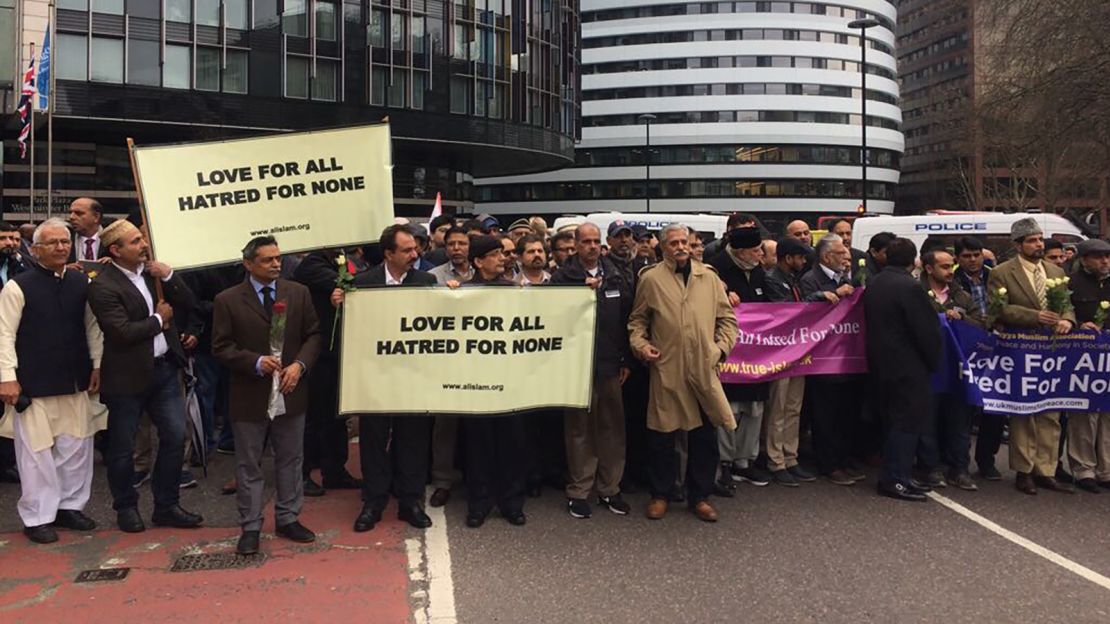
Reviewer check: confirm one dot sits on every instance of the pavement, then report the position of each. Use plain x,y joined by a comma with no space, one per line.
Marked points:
819,552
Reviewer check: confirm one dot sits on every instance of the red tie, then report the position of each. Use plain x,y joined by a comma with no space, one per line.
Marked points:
89,254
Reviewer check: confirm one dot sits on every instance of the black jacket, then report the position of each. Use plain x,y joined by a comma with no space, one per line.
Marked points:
614,304
814,282
783,286
129,328
17,263
857,271
205,284
903,331
1087,292
376,277
751,287
965,282
318,272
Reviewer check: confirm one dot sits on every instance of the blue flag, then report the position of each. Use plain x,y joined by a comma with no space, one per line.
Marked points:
43,84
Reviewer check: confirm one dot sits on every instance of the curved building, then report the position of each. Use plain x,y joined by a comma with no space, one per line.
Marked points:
756,108
471,87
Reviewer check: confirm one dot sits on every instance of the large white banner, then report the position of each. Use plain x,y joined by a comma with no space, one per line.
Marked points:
310,190
479,350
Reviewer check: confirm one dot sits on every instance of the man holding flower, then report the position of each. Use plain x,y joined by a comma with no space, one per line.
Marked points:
1089,433
1033,300
266,332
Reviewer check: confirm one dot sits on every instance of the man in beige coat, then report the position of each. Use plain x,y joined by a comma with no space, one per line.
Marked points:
682,326
1034,438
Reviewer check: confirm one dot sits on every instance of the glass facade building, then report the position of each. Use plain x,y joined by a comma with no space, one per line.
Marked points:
471,87
756,106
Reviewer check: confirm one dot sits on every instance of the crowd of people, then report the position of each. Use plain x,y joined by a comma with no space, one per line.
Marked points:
99,341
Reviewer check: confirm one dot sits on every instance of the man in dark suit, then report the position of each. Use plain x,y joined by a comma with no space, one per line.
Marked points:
835,399
85,215
141,372
858,269
325,433
903,350
11,264
393,450
242,321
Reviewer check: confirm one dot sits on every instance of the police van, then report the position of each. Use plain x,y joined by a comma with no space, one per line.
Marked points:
991,228
706,224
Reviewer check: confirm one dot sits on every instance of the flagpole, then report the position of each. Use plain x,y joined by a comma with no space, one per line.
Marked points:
50,114
31,208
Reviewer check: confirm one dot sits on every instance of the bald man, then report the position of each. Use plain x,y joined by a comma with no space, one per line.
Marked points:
770,254
85,215
800,230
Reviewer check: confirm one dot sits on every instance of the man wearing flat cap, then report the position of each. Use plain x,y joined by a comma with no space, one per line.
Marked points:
740,267
1034,438
141,372
1089,433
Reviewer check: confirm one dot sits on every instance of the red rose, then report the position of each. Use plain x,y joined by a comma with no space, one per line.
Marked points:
279,307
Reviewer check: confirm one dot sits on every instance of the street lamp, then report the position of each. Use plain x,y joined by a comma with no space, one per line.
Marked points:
863,25
646,119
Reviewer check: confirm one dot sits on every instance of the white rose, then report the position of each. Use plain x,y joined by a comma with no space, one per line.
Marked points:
1105,305
863,262
1002,292
341,260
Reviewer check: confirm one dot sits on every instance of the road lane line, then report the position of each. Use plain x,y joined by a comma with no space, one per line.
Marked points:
1032,547
430,573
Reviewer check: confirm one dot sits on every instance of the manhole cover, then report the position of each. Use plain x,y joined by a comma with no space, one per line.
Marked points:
216,561
105,574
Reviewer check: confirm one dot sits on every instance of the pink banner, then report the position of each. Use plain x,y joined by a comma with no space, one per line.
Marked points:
779,340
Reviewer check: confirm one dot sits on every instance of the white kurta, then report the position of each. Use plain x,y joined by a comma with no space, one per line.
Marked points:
53,436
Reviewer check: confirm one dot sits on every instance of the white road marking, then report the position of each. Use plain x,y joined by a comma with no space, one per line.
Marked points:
1032,547
433,589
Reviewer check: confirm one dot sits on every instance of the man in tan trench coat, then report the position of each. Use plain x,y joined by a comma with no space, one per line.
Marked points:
682,326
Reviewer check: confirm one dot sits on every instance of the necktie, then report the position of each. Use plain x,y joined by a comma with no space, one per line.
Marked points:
268,299
89,253
1039,285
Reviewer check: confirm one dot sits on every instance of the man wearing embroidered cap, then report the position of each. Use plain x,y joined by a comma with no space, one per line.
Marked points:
141,372
1034,438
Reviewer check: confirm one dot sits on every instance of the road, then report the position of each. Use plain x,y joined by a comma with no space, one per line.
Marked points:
815,553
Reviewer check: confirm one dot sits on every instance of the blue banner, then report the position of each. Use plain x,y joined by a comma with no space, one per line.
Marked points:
1028,372
43,82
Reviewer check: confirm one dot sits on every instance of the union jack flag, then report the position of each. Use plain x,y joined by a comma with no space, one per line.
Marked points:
26,101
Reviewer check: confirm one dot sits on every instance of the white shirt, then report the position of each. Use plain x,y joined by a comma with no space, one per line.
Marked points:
136,279
833,275
594,271
389,281
95,238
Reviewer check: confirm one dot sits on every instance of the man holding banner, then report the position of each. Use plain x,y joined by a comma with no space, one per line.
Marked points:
1034,438
682,326
1089,433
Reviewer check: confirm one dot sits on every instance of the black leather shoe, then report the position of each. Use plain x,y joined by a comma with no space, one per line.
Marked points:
312,488
248,543
176,517
724,490
342,481
898,491
475,519
439,497
41,534
1023,481
516,518
367,518
297,532
1089,485
1049,483
73,519
415,516
130,521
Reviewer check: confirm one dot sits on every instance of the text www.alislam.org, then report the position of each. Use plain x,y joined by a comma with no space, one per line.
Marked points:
470,386
278,229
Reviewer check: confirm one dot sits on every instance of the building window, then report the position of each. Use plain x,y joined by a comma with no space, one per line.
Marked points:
176,71
179,11
323,85
397,31
418,33
377,86
296,77
396,91
112,7
237,14
107,60
376,29
208,12
208,69
74,5
325,21
460,94
72,57
235,74
295,21
419,85
142,63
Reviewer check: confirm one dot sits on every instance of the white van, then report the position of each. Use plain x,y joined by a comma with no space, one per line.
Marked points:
654,222
991,228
